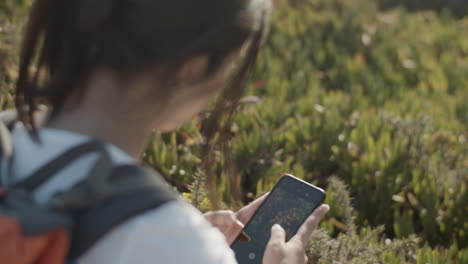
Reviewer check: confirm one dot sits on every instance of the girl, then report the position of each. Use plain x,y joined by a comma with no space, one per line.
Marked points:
116,70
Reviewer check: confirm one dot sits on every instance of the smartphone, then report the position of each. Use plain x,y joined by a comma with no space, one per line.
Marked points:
289,204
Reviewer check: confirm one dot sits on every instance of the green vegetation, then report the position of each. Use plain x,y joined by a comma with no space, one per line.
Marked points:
356,95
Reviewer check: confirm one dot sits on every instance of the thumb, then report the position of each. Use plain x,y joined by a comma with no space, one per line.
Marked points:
278,235
274,251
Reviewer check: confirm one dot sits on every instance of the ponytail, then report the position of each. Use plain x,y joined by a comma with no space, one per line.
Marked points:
55,52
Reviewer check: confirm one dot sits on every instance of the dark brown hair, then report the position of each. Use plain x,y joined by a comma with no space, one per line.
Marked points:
66,40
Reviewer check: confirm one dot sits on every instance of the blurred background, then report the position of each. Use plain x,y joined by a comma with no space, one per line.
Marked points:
367,98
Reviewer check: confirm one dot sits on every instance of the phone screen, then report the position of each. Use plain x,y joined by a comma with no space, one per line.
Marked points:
289,204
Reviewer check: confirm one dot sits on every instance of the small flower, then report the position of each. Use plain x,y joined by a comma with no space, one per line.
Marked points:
409,64
184,135
341,137
366,39
319,108
258,84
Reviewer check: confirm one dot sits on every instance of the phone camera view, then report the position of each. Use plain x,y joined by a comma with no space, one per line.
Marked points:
289,204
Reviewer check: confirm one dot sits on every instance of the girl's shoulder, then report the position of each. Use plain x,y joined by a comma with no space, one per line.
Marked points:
29,155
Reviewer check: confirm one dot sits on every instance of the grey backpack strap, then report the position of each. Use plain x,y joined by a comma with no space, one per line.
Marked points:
6,144
6,147
8,117
136,190
41,175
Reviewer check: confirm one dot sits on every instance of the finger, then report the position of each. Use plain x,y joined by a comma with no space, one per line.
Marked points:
230,220
233,231
306,230
278,235
236,227
219,218
244,237
246,213
306,259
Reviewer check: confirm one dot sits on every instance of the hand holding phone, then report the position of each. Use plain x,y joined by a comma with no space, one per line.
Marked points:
293,251
289,204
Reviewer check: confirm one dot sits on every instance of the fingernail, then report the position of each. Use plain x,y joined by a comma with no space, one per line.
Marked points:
326,207
240,223
323,210
276,226
244,237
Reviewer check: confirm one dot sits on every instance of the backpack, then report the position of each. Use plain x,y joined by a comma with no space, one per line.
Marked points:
72,221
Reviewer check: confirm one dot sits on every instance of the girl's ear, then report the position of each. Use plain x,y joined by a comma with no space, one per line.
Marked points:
193,70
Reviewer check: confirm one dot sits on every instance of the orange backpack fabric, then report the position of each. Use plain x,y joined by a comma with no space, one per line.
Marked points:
30,233
16,248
